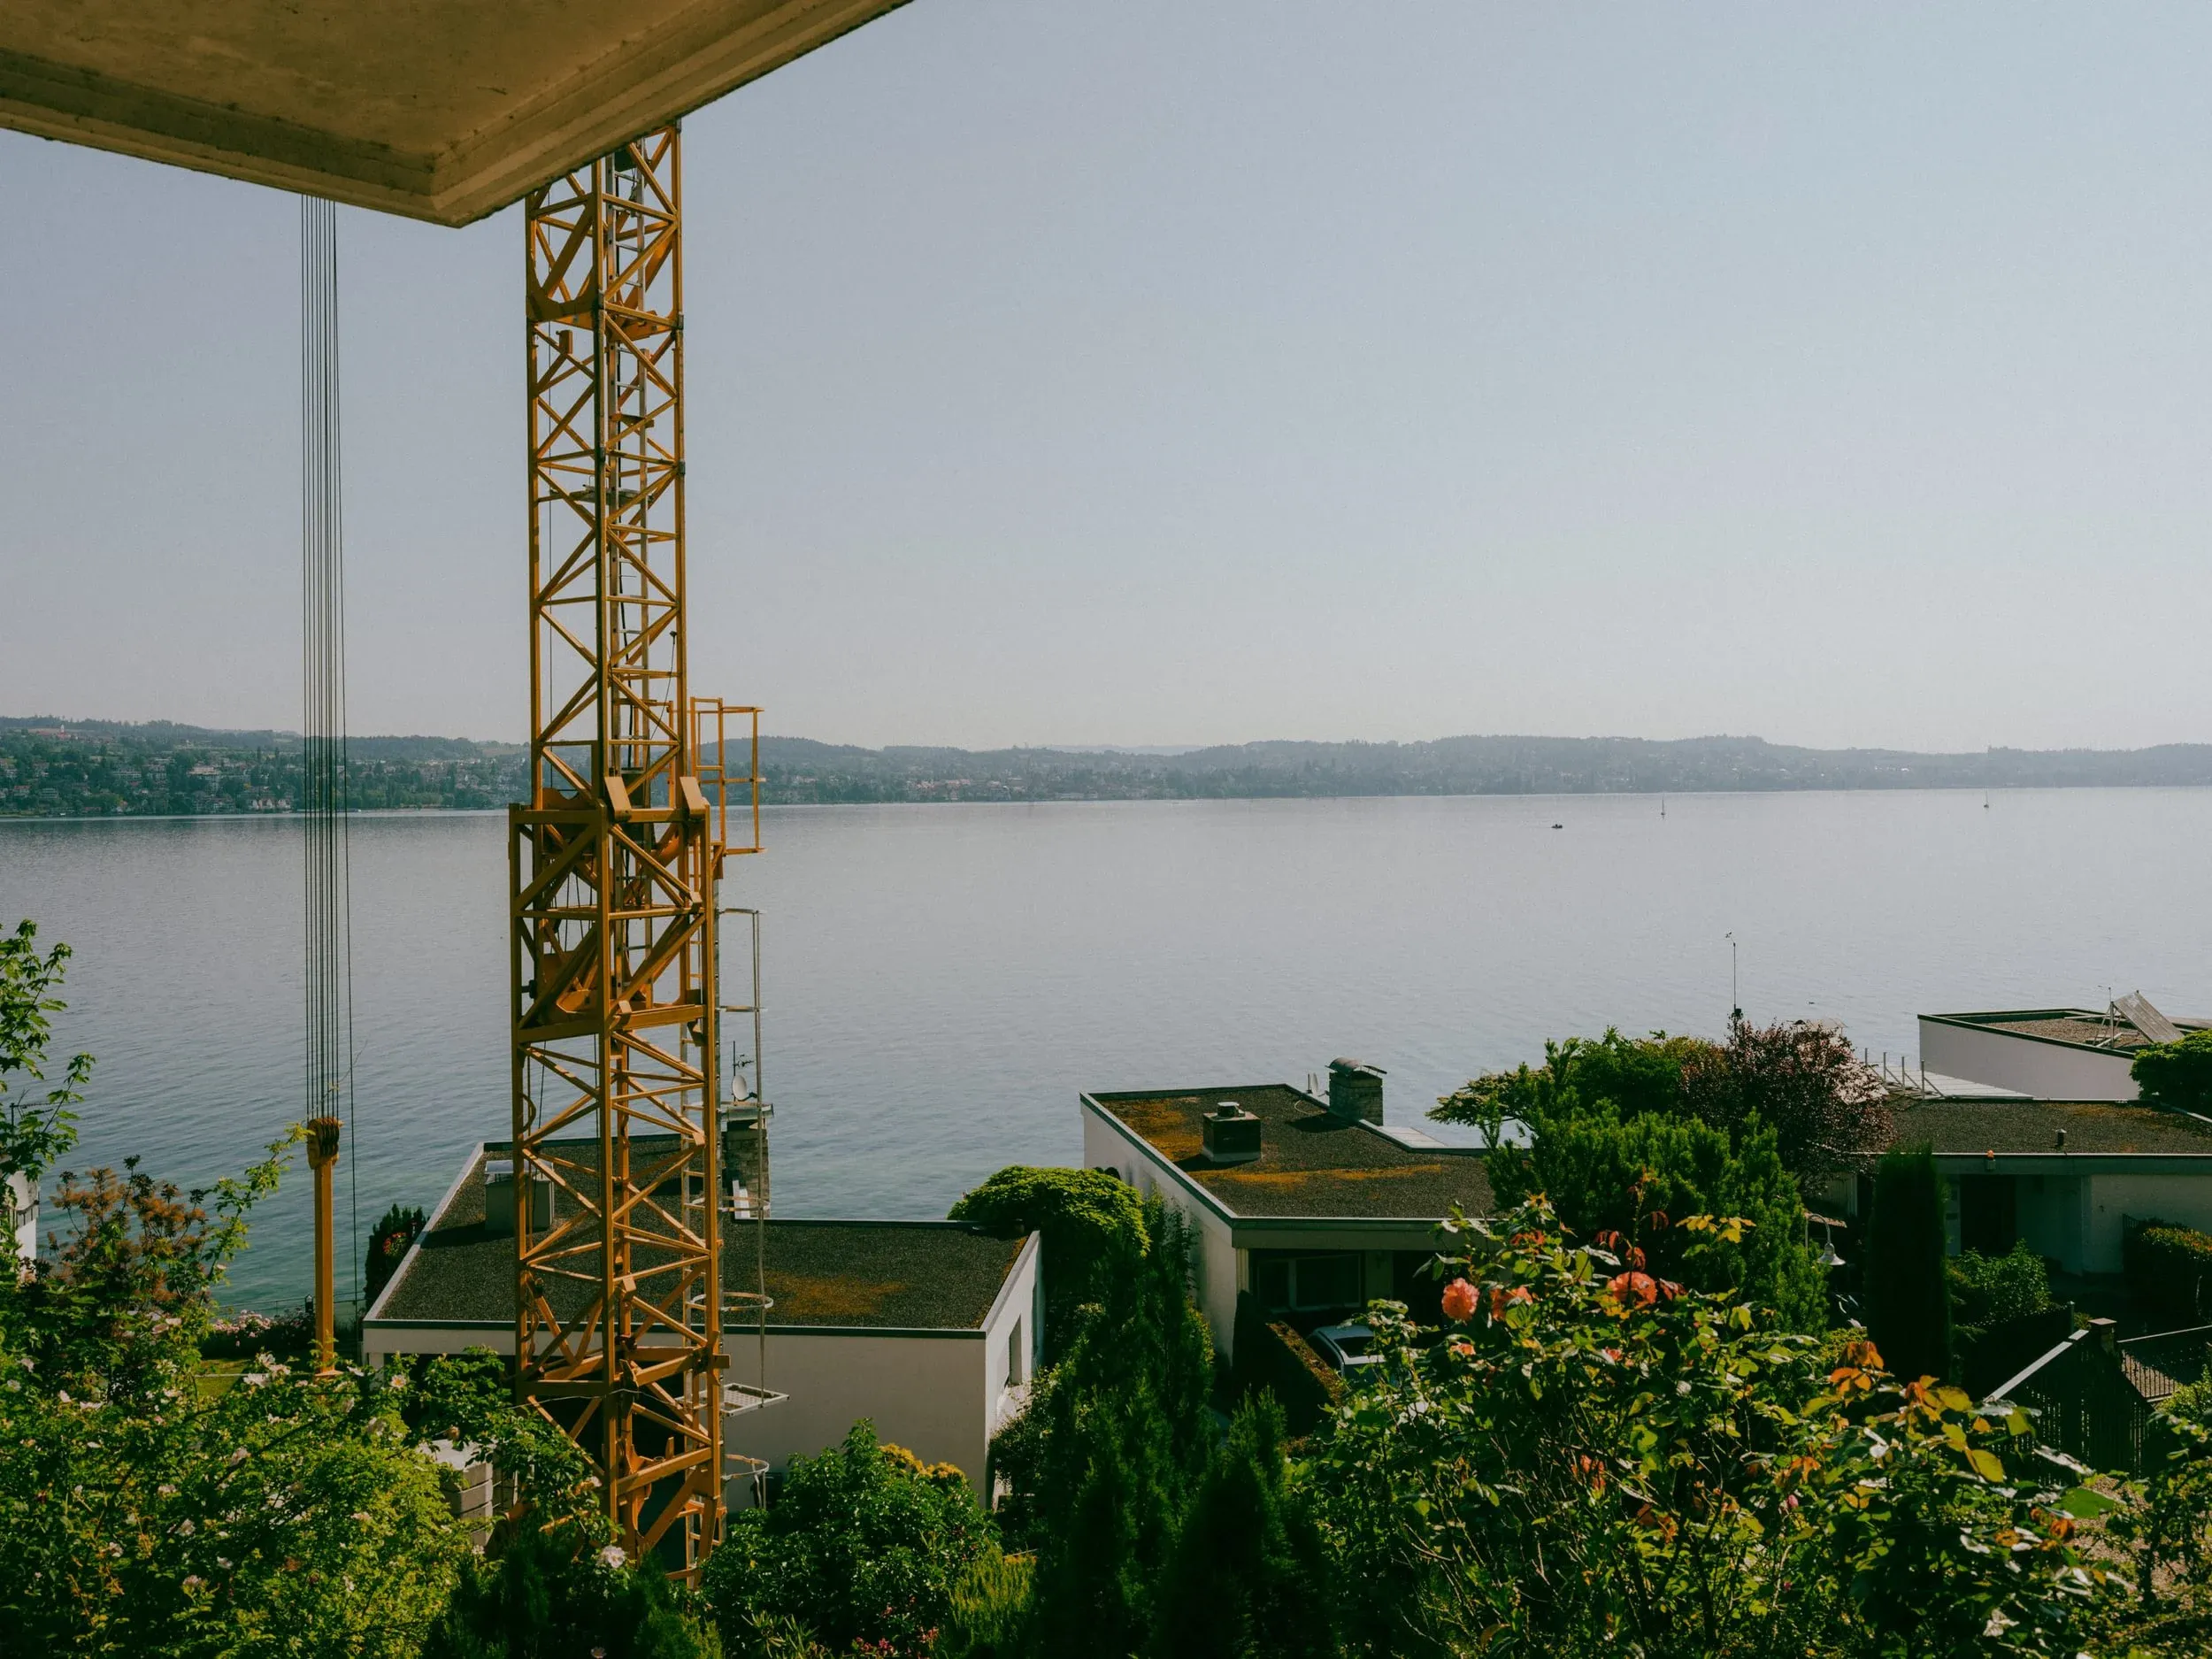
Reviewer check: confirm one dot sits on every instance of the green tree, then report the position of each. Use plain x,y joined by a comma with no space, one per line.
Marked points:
863,1547
1908,1291
1092,1224
1604,1173
1122,1435
36,1127
1248,1578
1803,1080
2177,1075
153,1508
1593,1461
1637,1074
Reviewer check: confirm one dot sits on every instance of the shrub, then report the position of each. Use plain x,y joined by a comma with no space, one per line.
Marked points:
387,1244
1988,1290
2176,1075
1908,1291
1091,1224
2169,1271
990,1608
1599,1462
549,1590
862,1546
1602,1173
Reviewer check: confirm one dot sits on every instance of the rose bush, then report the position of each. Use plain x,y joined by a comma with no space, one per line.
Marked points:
1598,1461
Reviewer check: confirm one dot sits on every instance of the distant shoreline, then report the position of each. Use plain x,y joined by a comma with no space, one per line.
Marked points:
386,814
52,770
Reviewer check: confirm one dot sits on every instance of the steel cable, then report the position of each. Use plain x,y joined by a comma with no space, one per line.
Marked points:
325,798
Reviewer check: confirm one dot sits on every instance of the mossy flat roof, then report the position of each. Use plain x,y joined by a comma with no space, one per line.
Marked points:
874,1275
1312,1162
1972,1128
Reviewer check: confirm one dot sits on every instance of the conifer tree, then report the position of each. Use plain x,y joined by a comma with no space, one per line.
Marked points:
1245,1581
1908,1297
1124,1440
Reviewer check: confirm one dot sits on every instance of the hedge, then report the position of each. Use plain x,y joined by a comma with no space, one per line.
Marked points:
2168,1271
1272,1355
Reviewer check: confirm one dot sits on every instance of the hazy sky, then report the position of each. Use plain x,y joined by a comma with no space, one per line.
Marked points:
1154,373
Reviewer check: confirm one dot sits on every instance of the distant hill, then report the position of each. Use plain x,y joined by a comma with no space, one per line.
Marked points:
55,768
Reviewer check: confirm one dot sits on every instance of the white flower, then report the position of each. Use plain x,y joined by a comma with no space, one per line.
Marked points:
63,1396
613,1557
254,1379
363,1517
166,1490
223,1562
238,1457
192,1583
185,1530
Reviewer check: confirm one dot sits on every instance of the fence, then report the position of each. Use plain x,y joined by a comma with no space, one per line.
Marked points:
2095,1399
2084,1403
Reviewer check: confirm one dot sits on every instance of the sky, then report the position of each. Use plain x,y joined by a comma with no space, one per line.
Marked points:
1153,373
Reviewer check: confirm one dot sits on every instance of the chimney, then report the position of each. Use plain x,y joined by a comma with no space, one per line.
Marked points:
1356,1090
1233,1134
499,1200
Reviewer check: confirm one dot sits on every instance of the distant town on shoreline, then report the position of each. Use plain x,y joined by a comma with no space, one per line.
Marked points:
55,768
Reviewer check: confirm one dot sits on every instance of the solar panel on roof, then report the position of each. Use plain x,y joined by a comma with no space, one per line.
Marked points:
2136,1009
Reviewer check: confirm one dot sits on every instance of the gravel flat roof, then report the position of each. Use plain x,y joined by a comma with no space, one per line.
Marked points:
1312,1162
1971,1127
886,1275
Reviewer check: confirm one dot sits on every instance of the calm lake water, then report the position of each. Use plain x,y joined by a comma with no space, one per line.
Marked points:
941,980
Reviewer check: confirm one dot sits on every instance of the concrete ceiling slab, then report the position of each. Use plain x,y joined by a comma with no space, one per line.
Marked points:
439,110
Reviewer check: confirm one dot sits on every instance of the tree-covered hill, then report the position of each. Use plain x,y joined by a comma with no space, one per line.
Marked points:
52,768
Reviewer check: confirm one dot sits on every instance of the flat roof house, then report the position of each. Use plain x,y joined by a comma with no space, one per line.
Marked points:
1313,1205
2048,1053
2066,1176
929,1328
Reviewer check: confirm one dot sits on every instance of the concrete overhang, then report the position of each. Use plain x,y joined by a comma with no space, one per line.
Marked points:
443,111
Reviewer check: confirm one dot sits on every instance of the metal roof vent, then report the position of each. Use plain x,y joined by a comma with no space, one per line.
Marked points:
499,1200
1233,1134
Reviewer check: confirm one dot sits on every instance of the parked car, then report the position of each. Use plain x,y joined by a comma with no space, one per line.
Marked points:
1346,1347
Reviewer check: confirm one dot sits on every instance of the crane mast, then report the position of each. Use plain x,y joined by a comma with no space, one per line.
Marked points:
614,866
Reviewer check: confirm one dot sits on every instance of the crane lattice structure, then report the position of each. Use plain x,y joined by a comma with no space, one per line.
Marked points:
615,863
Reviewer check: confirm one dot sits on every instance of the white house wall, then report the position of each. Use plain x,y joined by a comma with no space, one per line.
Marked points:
2046,1071
923,1392
928,1393
1018,1314
2185,1199
1214,1260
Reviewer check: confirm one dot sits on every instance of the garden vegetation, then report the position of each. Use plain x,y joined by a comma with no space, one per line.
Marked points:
1639,1425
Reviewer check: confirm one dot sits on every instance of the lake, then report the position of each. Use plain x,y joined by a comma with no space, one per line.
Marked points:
941,980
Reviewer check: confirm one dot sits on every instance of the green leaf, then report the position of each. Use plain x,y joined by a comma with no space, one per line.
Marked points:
2085,1503
1985,1464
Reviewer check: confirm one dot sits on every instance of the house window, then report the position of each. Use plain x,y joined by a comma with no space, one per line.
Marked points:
1286,1283
1016,1358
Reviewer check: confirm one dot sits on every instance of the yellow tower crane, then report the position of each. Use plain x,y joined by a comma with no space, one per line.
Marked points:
615,861
446,114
